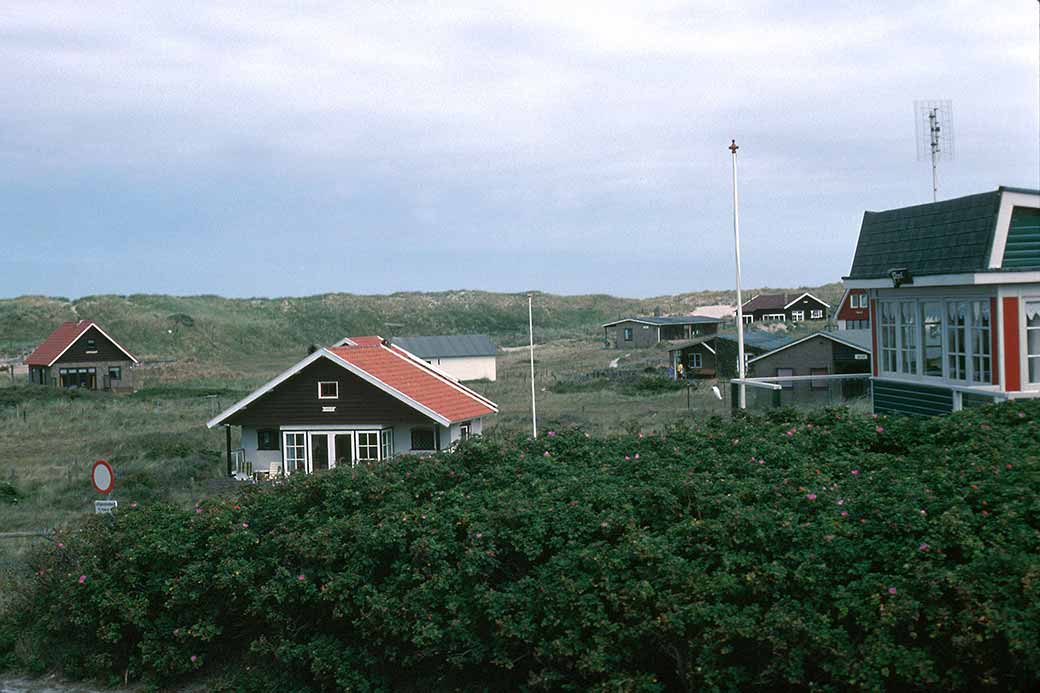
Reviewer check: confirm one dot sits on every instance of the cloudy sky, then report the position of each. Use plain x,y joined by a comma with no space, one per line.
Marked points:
373,147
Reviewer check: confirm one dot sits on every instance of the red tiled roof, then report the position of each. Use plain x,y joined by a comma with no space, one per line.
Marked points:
59,341
414,379
767,302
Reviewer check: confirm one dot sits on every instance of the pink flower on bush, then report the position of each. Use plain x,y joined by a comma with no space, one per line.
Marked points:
985,513
82,579
133,505
60,545
855,472
811,496
627,457
923,511
545,454
551,433
892,590
841,501
844,513
245,525
923,547
198,510
637,455
880,429
301,577
1021,415
761,461
1008,466
194,658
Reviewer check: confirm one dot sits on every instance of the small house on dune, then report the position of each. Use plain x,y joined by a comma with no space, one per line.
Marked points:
81,355
783,308
715,356
818,354
953,290
363,401
647,332
464,356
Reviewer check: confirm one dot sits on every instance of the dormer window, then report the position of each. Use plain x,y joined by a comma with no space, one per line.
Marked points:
328,389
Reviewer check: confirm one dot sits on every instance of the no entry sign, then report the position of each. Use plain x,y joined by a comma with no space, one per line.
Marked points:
102,477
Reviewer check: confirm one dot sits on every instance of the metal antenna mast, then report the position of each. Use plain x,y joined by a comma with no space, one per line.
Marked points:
934,124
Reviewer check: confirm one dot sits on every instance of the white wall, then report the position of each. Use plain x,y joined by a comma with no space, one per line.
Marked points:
468,367
261,459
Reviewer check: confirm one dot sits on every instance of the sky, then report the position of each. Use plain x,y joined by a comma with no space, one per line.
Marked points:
286,149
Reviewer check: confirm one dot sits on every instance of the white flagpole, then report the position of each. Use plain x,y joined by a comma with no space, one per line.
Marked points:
530,327
740,302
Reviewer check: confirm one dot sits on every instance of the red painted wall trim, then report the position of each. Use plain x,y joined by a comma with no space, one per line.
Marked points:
994,338
1012,371
873,335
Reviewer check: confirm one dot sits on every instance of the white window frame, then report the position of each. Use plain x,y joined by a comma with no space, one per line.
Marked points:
370,446
386,443
900,351
695,360
797,315
627,334
816,314
749,318
328,382
774,317
287,446
1026,329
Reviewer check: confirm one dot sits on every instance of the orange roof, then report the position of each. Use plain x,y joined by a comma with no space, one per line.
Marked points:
415,379
64,337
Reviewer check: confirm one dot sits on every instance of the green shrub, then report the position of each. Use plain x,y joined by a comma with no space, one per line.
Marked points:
794,552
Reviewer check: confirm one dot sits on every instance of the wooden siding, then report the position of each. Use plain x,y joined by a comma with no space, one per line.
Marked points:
1023,241
107,352
1012,367
910,398
295,402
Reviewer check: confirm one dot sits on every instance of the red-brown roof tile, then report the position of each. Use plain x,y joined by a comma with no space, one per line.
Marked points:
59,341
415,379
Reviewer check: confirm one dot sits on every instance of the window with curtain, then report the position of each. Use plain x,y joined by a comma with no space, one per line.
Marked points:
980,343
887,336
931,337
1033,340
908,338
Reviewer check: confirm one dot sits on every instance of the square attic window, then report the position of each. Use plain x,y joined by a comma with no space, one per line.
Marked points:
328,389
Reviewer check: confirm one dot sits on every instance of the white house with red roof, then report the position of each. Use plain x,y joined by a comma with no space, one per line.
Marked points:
82,355
364,400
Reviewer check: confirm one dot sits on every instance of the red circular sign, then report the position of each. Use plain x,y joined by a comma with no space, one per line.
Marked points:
102,477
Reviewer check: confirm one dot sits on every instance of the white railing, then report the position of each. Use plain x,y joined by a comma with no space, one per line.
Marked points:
241,468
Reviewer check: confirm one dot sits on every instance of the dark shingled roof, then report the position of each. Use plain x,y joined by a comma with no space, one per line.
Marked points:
671,320
945,237
447,346
760,339
767,302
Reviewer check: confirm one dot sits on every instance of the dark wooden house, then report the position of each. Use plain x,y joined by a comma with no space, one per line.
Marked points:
818,354
782,308
82,355
715,356
647,332
362,401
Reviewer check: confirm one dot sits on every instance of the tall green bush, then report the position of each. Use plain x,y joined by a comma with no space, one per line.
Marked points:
822,551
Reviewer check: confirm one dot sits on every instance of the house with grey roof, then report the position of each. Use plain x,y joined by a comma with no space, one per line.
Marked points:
953,289
462,356
646,332
820,354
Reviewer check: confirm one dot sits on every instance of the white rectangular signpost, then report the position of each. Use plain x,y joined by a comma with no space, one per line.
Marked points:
105,506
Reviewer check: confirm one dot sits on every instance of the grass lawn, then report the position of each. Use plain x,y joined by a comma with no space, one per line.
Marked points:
161,450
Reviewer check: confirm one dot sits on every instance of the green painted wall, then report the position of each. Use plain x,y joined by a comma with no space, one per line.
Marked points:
1023,243
909,398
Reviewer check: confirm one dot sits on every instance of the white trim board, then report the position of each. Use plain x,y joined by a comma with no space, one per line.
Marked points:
964,279
1008,201
828,335
804,294
90,324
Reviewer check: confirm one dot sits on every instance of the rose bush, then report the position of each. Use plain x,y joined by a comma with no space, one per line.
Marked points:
823,551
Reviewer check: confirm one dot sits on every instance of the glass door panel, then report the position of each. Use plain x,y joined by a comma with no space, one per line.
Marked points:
344,450
319,451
